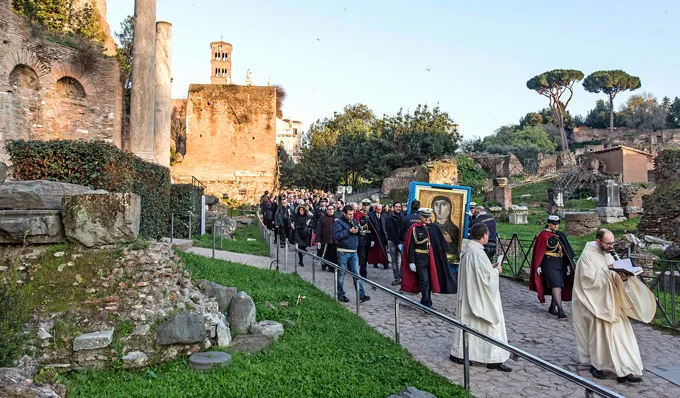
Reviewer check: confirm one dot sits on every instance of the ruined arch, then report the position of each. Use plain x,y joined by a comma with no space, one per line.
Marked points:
62,70
70,88
10,61
24,77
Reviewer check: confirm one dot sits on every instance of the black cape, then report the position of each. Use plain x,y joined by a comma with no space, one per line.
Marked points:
565,244
447,282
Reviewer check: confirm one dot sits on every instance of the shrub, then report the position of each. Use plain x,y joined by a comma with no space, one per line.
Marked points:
184,199
399,195
12,322
93,164
152,184
471,174
100,166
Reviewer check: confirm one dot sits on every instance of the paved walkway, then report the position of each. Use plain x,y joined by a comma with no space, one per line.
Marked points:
529,327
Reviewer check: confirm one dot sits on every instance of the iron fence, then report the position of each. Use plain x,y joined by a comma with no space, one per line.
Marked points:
661,276
186,219
590,387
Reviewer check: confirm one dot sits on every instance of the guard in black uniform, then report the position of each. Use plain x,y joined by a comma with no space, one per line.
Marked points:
419,254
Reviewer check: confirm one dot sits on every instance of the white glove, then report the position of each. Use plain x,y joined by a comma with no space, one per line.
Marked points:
372,244
568,271
401,247
539,270
412,266
318,246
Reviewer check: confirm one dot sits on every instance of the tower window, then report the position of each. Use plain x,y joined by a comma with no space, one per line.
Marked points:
217,56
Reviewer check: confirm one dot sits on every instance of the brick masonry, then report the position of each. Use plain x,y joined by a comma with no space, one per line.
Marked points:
52,91
231,140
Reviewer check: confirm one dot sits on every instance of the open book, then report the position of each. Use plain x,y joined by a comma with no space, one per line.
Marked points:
626,266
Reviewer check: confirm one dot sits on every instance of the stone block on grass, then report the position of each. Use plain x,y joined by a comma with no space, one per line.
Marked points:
182,328
93,341
102,219
241,313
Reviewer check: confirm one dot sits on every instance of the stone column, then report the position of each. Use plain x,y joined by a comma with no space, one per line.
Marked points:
163,106
143,81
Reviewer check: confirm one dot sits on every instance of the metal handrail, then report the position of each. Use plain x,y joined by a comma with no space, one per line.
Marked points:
172,223
589,386
196,182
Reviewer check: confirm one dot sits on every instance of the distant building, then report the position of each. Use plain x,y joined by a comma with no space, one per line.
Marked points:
630,163
289,134
220,62
230,134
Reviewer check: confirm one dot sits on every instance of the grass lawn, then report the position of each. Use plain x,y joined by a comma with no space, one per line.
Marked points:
326,351
538,192
240,243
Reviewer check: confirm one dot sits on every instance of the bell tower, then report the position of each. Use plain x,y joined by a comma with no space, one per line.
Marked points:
220,62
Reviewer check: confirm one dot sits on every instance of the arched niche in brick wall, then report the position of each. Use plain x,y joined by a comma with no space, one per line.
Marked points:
69,87
24,77
72,73
24,59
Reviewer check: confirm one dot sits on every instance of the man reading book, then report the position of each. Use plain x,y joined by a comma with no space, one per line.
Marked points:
603,301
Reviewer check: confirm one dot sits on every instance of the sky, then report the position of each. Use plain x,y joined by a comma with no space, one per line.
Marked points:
472,58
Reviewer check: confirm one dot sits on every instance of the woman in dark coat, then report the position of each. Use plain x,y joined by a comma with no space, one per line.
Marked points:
302,232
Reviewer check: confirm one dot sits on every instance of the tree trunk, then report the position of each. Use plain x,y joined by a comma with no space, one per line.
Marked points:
611,116
556,111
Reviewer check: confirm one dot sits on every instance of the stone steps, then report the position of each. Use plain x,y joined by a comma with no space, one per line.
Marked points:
182,244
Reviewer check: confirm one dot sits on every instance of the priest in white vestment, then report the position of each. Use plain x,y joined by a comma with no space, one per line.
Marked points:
603,301
479,303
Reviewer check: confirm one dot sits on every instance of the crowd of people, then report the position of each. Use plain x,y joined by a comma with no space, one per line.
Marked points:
356,235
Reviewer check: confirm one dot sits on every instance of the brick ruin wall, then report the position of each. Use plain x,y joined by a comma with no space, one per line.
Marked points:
661,215
231,140
435,172
52,91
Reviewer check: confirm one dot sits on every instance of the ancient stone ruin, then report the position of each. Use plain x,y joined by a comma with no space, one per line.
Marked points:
501,193
436,172
661,215
138,306
53,91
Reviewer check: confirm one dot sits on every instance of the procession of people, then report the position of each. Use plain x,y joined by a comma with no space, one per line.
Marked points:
417,250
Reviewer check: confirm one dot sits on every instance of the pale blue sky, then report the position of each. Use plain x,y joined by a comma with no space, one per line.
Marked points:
328,54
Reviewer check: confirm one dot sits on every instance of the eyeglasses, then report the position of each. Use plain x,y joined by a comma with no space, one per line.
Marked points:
608,243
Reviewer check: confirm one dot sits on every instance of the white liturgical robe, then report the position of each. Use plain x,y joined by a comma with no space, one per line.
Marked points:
602,305
479,305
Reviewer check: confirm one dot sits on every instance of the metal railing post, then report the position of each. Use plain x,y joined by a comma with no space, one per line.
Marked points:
335,283
213,247
190,226
295,259
286,263
221,231
466,362
589,386
589,394
356,290
673,300
172,226
313,273
396,320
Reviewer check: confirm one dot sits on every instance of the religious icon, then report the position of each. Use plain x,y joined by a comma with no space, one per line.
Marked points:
449,204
